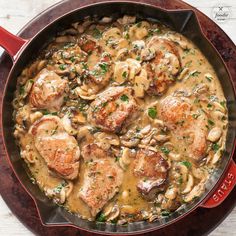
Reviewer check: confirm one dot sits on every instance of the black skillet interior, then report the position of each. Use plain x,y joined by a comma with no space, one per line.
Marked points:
183,21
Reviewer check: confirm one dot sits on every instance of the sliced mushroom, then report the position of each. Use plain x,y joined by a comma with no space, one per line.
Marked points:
139,30
126,20
216,157
219,107
67,125
171,193
121,72
122,54
145,130
111,34
214,134
189,184
105,20
141,83
84,94
183,170
183,74
134,68
196,192
174,156
105,140
148,54
35,116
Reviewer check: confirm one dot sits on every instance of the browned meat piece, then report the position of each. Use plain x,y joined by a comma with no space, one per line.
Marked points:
47,91
152,168
176,114
163,69
102,179
113,109
59,150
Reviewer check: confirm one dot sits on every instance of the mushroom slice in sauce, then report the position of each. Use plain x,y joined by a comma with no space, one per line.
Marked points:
164,67
48,90
59,149
102,178
113,109
152,169
190,132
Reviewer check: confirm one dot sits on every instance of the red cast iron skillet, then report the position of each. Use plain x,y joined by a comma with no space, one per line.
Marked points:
23,51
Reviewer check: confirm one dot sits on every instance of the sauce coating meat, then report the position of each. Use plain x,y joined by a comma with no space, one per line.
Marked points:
176,113
143,105
59,150
113,109
48,90
103,178
153,169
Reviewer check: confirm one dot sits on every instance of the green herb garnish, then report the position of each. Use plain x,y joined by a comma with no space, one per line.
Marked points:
215,147
195,116
165,213
152,112
195,73
165,150
186,163
124,75
101,217
210,122
124,98
97,33
62,67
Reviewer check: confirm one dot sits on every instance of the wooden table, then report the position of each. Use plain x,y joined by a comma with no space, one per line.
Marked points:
16,13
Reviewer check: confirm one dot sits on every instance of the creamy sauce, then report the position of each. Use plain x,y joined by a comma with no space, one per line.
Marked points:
196,80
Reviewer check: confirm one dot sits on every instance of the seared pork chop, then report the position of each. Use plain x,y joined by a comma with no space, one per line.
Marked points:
59,149
102,179
48,90
113,109
152,168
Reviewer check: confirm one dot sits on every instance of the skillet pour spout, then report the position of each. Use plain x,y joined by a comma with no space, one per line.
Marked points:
184,21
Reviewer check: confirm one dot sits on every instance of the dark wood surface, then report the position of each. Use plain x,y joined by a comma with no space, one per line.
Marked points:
200,222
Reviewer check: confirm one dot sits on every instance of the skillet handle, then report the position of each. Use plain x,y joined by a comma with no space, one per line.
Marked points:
223,189
11,43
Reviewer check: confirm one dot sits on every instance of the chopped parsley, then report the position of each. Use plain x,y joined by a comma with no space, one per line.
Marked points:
209,105
165,213
209,78
22,90
97,33
215,147
124,98
186,163
60,187
124,75
210,122
126,35
101,217
62,67
222,103
195,116
195,73
165,150
84,65
94,130
104,67
45,112
151,32
152,112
